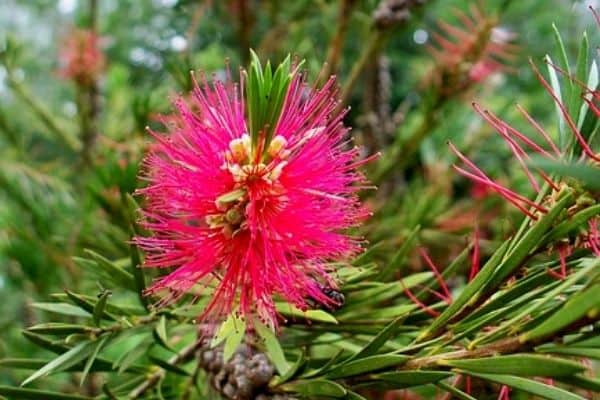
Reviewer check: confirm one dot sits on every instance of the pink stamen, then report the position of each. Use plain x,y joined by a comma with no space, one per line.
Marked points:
584,145
483,178
435,293
507,194
418,302
437,275
500,126
468,384
504,393
539,128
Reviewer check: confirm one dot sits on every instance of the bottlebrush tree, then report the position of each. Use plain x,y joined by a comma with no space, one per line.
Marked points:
252,258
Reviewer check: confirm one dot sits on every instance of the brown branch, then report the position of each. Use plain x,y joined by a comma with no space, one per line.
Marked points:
508,345
337,41
245,23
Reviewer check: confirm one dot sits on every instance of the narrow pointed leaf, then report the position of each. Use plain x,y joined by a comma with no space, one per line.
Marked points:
530,386
33,394
378,341
72,356
112,271
160,331
59,328
518,364
62,308
366,364
234,340
274,350
405,379
315,388
575,308
90,361
100,306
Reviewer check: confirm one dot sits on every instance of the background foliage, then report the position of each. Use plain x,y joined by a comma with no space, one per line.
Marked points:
66,210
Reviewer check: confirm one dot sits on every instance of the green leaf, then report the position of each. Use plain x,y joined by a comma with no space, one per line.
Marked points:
564,60
44,342
274,350
405,379
169,367
408,244
570,351
529,386
294,368
90,361
62,308
530,240
111,271
138,274
350,395
581,71
382,337
319,371
315,387
265,96
575,308
587,174
574,222
160,332
289,310
59,328
515,323
32,394
226,329
233,340
22,363
100,306
385,291
137,349
582,382
518,364
73,356
86,304
468,293
365,365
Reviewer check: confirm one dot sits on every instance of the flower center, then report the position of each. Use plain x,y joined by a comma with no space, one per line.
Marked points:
249,170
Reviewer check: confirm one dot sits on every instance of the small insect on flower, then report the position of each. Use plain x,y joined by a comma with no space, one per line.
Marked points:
250,193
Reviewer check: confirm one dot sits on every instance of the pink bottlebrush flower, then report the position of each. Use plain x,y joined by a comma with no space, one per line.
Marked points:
246,219
80,57
470,53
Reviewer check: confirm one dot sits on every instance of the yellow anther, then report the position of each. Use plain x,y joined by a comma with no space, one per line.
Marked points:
276,145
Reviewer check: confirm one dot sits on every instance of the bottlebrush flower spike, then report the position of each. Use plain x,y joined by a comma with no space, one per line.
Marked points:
250,193
469,54
80,57
521,146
